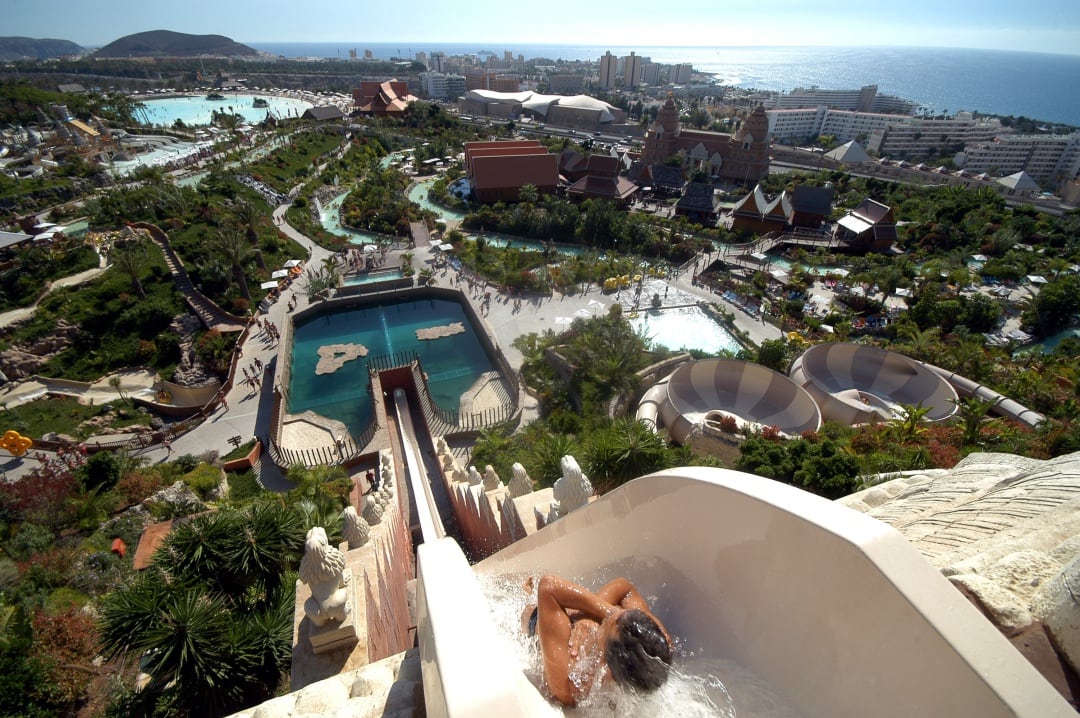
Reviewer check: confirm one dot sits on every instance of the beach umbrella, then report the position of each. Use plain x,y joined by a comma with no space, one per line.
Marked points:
292,263
279,274
268,285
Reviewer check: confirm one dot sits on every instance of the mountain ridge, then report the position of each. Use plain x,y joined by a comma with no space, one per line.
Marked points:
22,48
166,43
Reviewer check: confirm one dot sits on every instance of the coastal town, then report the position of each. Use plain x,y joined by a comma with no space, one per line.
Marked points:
298,317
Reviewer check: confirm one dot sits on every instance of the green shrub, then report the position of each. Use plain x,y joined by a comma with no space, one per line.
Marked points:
203,480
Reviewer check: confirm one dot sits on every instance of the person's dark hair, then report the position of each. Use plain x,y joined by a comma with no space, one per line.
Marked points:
638,655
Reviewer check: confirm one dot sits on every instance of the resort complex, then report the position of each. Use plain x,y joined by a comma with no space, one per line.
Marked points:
400,399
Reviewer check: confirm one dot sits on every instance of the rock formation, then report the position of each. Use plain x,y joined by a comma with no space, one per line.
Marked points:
1005,529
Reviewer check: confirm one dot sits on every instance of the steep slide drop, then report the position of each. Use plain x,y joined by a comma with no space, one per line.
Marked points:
837,610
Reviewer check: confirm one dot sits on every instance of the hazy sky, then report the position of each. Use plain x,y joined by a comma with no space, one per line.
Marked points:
1043,26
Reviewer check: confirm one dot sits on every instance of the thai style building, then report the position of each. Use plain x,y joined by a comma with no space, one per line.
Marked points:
382,98
742,158
498,170
595,177
868,227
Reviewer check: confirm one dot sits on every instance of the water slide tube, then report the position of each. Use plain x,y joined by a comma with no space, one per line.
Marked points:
835,609
1003,406
855,384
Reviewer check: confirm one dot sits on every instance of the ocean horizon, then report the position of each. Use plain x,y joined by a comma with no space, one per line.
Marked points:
1040,86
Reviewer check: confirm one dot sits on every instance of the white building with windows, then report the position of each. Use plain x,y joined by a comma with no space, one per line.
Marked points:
889,135
1050,159
441,85
933,136
865,99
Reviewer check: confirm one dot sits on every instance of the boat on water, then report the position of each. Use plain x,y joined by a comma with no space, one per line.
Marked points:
260,102
215,96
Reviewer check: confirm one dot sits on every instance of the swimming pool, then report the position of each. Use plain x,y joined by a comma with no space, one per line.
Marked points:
352,280
452,363
197,110
684,328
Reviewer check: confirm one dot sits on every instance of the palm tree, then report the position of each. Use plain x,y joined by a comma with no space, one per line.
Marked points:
249,216
234,249
130,259
625,450
908,425
212,617
971,411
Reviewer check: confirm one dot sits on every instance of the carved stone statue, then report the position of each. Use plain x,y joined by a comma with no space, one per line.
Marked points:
355,528
520,483
322,568
372,512
475,479
491,479
572,490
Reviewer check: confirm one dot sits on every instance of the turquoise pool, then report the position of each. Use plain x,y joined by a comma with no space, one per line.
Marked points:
353,280
684,328
452,363
198,110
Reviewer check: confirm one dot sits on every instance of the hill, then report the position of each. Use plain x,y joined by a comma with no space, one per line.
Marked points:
166,43
21,48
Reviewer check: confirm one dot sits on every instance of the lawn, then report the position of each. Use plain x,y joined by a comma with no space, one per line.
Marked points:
64,415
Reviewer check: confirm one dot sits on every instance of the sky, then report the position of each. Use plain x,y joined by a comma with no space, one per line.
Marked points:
1051,26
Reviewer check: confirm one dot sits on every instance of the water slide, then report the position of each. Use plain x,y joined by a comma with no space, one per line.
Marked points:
856,384
703,392
799,606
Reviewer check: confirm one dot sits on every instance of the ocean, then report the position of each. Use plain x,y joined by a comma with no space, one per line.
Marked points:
1040,86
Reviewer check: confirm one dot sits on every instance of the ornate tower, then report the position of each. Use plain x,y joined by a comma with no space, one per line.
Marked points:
660,139
749,160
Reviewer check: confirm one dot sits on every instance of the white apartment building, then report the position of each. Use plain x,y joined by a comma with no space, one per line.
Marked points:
895,136
933,137
1049,159
802,125
865,99
442,86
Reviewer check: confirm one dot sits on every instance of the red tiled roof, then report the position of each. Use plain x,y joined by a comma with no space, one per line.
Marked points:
500,171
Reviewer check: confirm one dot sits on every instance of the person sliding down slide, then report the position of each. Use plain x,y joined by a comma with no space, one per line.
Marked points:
581,633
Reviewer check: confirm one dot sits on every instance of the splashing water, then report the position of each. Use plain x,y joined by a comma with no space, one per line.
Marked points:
693,688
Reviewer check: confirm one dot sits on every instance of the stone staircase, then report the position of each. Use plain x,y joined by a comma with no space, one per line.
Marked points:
213,316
